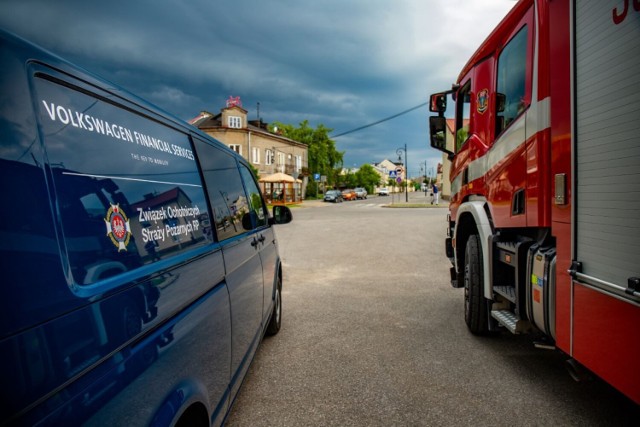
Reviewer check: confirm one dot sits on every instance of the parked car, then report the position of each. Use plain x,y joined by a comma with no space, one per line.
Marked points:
349,194
140,268
361,193
334,196
384,191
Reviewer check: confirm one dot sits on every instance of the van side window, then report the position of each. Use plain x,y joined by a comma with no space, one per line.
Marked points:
127,188
511,83
256,203
225,189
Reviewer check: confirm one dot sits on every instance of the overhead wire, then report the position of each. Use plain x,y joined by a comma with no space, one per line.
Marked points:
380,121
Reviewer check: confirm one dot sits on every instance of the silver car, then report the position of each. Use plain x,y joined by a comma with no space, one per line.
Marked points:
361,193
334,196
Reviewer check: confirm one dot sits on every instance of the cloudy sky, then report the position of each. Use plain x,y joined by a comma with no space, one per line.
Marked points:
341,63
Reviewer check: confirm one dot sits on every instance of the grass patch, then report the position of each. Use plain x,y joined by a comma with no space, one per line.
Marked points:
290,206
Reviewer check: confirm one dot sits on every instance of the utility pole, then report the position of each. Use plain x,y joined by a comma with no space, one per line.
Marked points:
399,152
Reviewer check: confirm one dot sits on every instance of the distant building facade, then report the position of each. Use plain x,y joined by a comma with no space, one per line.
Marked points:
385,167
267,151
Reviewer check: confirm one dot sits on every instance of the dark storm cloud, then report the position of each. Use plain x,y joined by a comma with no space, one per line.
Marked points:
340,63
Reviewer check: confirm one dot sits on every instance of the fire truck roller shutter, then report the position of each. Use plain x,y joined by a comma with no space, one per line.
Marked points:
607,146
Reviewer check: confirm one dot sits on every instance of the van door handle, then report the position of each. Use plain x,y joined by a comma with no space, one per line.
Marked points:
261,238
254,242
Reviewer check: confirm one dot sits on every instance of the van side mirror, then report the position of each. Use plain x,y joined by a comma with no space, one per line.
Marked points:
438,134
438,103
281,215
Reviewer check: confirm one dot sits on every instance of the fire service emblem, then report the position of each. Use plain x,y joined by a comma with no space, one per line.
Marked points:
483,100
118,228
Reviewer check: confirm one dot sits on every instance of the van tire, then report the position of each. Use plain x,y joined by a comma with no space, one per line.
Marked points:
475,304
276,315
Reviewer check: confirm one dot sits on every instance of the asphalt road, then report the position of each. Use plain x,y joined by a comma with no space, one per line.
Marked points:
373,335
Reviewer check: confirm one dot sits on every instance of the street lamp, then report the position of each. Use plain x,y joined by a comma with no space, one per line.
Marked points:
399,152
424,180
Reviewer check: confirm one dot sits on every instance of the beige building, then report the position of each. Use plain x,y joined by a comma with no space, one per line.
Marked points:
268,152
384,167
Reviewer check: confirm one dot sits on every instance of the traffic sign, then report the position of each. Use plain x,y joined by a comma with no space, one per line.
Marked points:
392,174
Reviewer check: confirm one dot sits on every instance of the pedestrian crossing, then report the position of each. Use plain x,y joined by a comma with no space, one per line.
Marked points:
374,204
359,205
362,205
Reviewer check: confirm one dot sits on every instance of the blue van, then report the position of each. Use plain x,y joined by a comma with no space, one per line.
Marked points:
139,263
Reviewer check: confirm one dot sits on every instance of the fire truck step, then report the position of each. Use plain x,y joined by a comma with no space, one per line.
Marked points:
509,320
506,252
509,292
507,246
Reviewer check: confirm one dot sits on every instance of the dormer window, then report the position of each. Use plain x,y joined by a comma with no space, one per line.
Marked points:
235,122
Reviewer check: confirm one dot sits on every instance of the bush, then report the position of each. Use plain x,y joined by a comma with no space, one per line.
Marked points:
312,190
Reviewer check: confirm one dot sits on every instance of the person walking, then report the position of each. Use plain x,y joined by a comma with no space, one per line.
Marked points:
435,195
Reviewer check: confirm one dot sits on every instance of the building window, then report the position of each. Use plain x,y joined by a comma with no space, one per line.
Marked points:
298,163
280,162
237,148
268,157
235,122
255,155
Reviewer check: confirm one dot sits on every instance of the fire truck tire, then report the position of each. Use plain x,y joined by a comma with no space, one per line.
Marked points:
475,304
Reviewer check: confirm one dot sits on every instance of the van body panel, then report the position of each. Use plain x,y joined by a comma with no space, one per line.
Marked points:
244,279
131,289
270,262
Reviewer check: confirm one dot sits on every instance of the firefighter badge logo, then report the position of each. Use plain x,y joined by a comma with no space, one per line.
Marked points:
483,100
118,228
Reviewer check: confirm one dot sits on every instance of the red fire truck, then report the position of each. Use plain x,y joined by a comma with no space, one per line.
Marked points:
544,221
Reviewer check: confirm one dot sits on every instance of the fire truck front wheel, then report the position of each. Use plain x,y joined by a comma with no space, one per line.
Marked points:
475,304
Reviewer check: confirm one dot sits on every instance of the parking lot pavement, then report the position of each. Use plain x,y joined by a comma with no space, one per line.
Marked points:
373,334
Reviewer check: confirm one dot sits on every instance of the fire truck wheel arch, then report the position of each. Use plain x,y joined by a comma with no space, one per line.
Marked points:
470,216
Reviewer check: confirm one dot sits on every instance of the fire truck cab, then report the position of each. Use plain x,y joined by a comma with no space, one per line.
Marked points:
544,223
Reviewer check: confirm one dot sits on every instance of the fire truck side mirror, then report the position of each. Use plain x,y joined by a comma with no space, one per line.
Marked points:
501,101
438,134
438,103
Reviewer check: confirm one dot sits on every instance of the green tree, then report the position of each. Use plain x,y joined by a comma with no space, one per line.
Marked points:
349,180
254,171
312,189
367,177
323,156
391,182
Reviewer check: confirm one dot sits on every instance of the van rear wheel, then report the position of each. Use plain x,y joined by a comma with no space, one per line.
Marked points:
276,315
475,304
